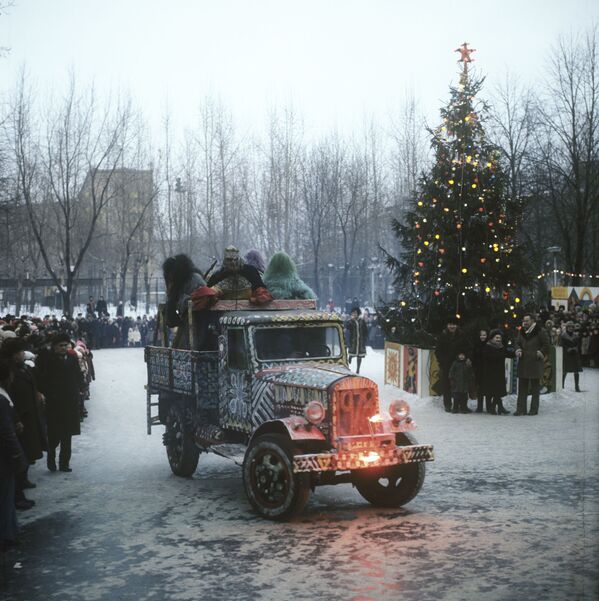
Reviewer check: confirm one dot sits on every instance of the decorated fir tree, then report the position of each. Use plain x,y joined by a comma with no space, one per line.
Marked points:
460,258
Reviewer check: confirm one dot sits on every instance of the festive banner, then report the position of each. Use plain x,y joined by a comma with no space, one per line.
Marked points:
410,369
569,296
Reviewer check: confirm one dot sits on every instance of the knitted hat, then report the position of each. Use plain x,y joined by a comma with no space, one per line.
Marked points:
12,346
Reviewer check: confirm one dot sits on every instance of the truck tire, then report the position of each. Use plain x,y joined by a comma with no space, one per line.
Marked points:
392,486
183,455
272,488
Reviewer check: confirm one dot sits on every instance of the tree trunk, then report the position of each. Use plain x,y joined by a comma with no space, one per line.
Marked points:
134,285
32,298
18,296
147,285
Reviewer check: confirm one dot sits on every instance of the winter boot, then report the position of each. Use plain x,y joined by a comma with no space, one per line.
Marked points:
501,410
51,462
490,406
479,406
577,382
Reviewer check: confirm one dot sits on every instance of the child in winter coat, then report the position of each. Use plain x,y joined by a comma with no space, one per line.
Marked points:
461,378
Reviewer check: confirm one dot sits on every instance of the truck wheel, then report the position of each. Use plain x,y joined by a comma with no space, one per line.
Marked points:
392,486
272,488
183,454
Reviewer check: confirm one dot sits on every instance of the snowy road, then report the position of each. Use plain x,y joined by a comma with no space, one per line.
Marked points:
509,511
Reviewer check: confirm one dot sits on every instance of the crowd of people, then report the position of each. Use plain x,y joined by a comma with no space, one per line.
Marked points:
476,368
45,377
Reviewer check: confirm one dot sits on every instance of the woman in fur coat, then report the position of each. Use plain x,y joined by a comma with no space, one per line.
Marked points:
494,354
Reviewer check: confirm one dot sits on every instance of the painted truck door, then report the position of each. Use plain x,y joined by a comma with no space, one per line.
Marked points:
235,380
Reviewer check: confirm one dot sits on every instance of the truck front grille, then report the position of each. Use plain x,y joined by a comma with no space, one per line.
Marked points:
354,408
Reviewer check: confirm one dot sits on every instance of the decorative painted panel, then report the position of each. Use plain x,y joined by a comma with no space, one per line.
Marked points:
158,362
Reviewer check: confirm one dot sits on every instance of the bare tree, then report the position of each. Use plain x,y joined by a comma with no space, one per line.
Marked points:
81,148
408,154
281,180
568,147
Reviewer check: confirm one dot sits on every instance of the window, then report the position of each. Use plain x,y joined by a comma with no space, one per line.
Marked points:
297,343
237,357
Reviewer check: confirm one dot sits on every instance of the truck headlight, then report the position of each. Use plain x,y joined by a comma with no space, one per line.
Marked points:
314,412
399,410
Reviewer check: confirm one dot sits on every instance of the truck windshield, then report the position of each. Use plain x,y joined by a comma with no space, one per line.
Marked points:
297,343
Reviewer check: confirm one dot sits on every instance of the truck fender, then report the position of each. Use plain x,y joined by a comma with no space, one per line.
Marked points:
295,426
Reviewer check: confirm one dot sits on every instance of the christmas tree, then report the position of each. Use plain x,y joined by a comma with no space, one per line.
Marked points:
460,257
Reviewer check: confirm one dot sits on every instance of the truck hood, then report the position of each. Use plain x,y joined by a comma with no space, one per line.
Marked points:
307,375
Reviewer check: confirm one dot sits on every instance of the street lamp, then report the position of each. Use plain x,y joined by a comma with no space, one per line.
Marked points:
554,250
374,265
331,268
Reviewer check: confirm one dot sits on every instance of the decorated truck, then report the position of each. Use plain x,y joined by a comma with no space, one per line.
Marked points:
275,394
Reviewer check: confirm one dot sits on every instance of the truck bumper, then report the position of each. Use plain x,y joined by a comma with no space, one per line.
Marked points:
355,460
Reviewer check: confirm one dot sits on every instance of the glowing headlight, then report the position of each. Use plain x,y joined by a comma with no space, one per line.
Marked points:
314,412
399,410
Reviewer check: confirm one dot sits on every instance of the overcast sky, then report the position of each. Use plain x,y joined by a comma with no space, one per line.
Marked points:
335,60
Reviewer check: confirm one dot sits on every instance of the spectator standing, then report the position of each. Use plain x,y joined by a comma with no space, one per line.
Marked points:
594,346
461,378
102,308
12,462
134,336
585,341
532,346
572,363
25,397
450,341
91,307
478,366
358,335
494,354
61,381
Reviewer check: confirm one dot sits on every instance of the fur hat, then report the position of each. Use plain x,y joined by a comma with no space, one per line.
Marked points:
11,346
255,259
60,337
231,252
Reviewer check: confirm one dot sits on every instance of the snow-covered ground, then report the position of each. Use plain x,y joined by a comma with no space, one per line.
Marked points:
509,510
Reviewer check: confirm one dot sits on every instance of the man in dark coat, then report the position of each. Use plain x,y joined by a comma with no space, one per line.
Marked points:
478,366
532,346
12,462
451,340
61,381
25,397
358,336
572,362
102,308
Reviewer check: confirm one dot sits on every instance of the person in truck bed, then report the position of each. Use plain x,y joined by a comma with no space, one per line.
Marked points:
283,281
236,280
181,277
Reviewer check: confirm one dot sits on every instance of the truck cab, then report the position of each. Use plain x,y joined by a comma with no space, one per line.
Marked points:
277,396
